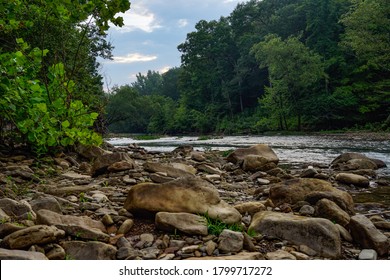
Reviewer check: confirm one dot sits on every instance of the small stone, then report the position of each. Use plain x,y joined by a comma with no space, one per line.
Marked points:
177,243
344,233
299,255
368,254
126,226
307,250
49,203
210,247
147,237
280,255
107,220
307,210
263,181
56,253
230,241
189,249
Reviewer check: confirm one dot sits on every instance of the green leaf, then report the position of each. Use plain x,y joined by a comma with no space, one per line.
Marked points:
65,124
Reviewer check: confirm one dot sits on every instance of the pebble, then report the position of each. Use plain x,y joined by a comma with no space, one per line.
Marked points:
368,254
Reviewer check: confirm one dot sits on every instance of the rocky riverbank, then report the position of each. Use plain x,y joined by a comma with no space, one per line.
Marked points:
127,203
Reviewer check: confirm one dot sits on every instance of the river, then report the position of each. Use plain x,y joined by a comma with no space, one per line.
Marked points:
291,150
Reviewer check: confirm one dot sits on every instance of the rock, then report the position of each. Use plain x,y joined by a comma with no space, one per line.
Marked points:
8,228
125,226
167,169
48,217
309,173
184,167
189,249
91,250
326,208
91,152
128,253
230,241
157,178
344,233
101,163
188,223
250,207
367,235
382,225
299,255
262,150
48,203
20,255
107,220
210,247
353,179
40,234
353,161
248,243
368,254
280,255
119,166
240,256
255,163
19,209
79,227
307,210
56,253
147,237
71,175
319,234
184,150
311,190
262,181
188,195
209,169
198,156
4,217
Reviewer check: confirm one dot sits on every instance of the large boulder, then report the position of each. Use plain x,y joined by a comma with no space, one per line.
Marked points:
103,162
326,208
354,161
185,222
367,235
173,171
319,234
40,234
80,227
353,179
91,250
188,195
311,190
20,255
257,157
18,209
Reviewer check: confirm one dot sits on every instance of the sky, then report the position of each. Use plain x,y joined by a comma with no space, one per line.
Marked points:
153,29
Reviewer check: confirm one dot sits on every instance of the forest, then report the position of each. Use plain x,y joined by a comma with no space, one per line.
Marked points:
287,65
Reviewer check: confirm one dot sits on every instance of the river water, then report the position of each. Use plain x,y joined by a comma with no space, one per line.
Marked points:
291,150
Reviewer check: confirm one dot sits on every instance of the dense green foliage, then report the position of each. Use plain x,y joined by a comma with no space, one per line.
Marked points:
270,65
51,92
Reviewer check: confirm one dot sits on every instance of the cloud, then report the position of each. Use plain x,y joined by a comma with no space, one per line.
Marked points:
164,69
182,22
138,18
133,57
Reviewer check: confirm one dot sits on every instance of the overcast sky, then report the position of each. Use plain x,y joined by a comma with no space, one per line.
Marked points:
153,30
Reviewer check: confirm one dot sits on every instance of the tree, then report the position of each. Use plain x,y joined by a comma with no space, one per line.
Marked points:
293,71
40,95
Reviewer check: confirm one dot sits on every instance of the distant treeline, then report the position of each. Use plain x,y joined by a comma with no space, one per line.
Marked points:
269,65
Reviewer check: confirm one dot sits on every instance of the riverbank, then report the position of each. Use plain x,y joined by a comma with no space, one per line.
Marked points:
92,205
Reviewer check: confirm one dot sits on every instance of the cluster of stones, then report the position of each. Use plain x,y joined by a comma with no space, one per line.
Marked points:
127,203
